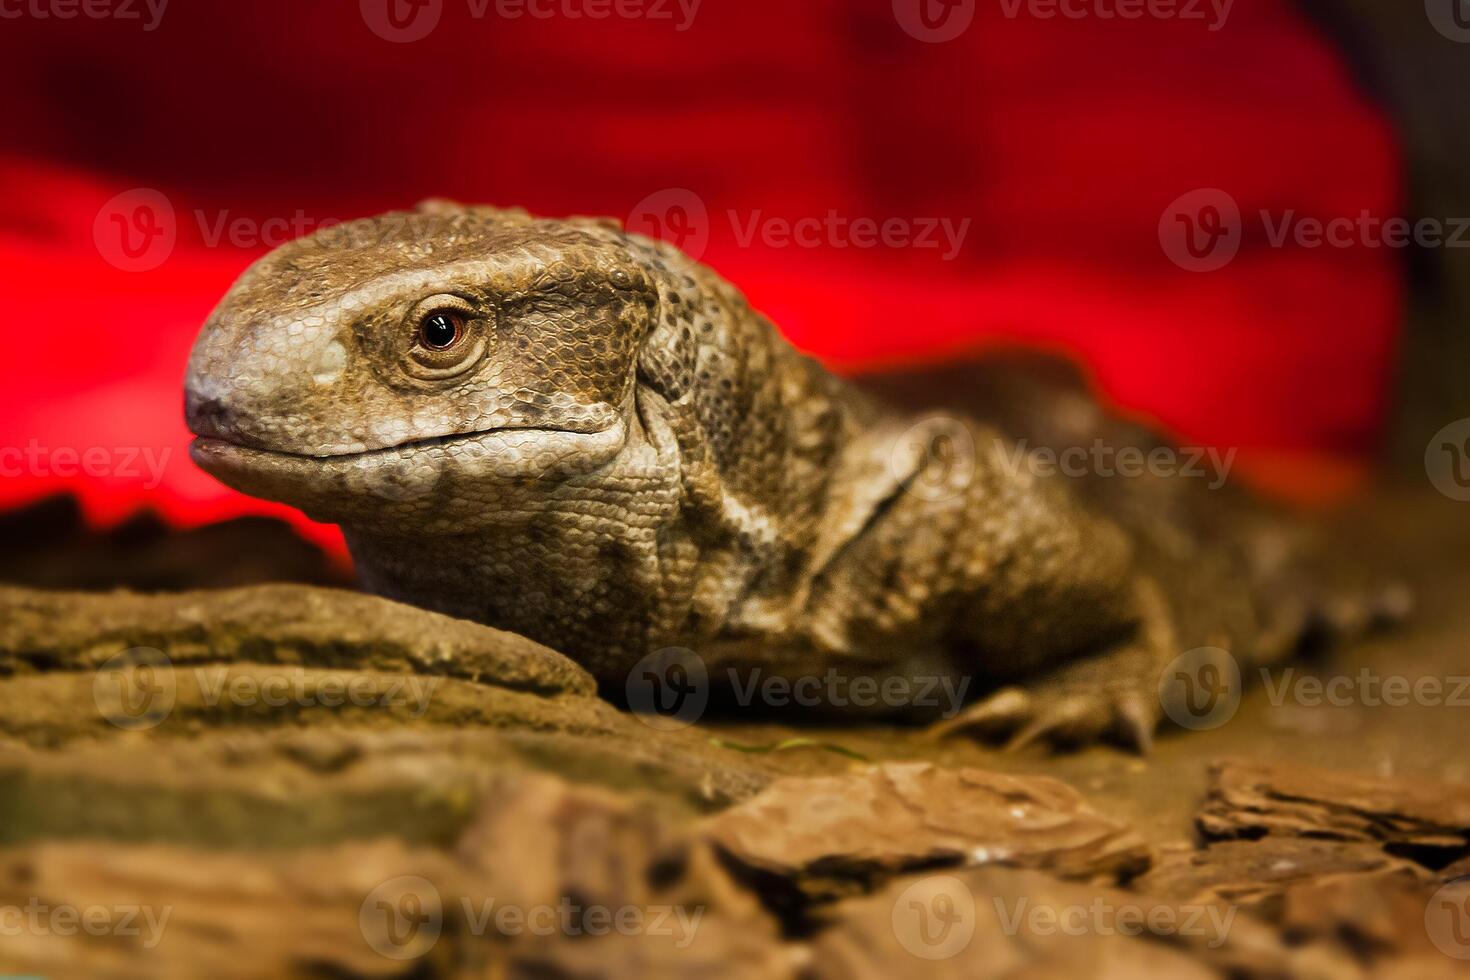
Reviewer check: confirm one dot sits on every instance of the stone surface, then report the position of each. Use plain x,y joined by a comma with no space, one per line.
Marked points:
265,826
606,875
1254,798
1004,923
287,624
833,834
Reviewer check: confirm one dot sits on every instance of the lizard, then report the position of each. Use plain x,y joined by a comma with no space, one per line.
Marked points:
582,435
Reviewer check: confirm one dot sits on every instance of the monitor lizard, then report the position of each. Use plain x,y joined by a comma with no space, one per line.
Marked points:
580,434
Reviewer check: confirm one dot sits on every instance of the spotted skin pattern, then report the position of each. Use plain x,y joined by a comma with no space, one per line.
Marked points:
619,455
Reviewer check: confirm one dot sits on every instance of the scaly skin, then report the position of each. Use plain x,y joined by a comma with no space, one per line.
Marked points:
616,454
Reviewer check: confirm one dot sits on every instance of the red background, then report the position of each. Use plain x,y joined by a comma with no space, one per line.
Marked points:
1063,141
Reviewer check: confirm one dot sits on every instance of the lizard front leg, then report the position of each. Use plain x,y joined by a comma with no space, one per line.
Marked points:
1036,598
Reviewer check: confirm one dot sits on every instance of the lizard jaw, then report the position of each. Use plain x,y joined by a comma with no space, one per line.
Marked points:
398,478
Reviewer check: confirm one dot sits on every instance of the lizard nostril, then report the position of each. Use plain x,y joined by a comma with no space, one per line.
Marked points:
207,416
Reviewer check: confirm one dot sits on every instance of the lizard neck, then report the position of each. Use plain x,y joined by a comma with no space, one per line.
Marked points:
759,434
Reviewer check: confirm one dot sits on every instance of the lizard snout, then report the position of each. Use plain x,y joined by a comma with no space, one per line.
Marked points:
208,417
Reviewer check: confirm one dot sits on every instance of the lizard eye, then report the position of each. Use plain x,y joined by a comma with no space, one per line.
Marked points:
441,330
446,337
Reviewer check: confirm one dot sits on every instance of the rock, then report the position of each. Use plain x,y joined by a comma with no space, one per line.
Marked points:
1005,923
834,834
602,850
610,881
289,624
1248,799
1376,915
167,912
1259,874
297,787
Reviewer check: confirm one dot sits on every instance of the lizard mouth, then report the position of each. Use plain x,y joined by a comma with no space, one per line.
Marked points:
329,486
210,447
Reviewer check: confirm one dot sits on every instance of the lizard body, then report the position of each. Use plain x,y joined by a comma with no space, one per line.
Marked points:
582,435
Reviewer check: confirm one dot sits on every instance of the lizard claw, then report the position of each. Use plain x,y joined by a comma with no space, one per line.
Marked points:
1066,722
1135,722
1112,696
1003,710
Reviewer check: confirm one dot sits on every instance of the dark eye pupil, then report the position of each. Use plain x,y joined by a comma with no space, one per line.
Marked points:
439,330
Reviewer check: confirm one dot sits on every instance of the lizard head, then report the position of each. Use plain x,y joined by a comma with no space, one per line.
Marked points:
410,364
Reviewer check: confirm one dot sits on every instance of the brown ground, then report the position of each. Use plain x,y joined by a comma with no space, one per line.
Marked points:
267,829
